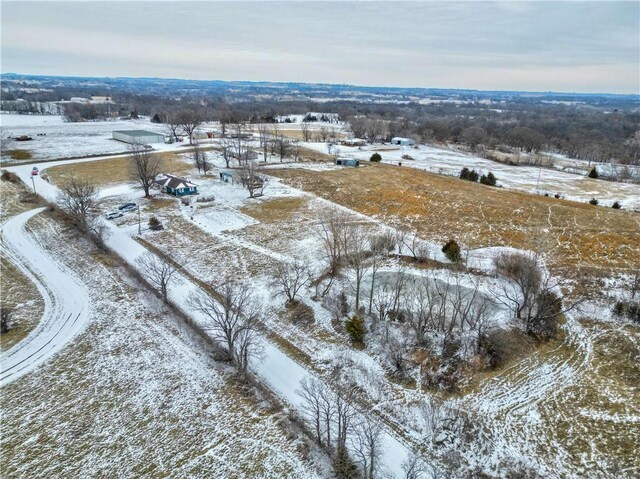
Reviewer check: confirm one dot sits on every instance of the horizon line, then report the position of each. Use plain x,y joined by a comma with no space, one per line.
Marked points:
324,83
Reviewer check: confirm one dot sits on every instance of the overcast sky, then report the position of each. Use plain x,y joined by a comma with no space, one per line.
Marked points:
537,46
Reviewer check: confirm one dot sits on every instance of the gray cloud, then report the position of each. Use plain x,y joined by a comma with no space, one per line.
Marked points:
562,46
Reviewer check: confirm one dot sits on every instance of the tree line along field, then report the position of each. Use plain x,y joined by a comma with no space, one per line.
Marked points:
580,239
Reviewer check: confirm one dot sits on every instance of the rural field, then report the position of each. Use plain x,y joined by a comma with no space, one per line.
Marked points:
576,392
320,240
134,380
577,239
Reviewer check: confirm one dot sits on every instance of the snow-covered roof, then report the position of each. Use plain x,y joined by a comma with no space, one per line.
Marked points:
173,182
138,133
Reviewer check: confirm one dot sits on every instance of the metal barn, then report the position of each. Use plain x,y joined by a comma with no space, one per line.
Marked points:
397,140
347,162
138,137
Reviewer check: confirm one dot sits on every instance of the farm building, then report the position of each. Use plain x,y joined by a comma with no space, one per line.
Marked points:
347,162
397,140
174,185
138,137
353,142
245,155
227,176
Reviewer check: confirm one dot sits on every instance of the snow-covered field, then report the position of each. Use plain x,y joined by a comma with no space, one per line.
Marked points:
54,138
523,178
521,409
136,395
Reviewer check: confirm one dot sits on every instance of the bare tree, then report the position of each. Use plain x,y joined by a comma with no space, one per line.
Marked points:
323,133
264,138
296,150
382,302
290,278
198,157
78,197
227,151
232,318
190,120
173,125
145,167
158,271
533,296
283,148
333,235
317,407
356,251
414,467
417,247
306,134
252,179
366,444
345,412
380,247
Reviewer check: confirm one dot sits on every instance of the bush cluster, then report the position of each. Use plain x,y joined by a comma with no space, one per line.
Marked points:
376,158
155,224
452,251
593,202
593,173
488,179
469,175
628,309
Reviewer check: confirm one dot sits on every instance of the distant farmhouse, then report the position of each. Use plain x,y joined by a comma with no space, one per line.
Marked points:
138,137
176,186
397,140
347,162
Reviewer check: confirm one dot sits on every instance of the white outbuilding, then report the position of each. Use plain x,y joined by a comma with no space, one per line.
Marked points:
138,137
397,140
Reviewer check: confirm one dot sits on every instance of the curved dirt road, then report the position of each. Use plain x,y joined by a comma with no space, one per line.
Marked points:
66,301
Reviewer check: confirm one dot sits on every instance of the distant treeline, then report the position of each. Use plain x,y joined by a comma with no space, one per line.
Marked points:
602,129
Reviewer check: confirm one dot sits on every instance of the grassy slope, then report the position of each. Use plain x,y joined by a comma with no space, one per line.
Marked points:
580,238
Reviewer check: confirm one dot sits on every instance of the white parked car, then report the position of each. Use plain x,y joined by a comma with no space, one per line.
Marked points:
113,215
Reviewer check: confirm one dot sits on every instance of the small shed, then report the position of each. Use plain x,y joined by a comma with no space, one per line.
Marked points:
138,137
245,155
347,162
176,186
227,176
398,140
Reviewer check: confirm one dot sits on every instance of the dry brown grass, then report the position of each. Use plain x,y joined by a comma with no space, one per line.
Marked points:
20,295
276,210
113,170
579,237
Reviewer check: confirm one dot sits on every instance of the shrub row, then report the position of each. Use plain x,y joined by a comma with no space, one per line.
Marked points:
472,175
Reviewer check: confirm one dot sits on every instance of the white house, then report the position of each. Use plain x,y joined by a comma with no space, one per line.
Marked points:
138,137
397,140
